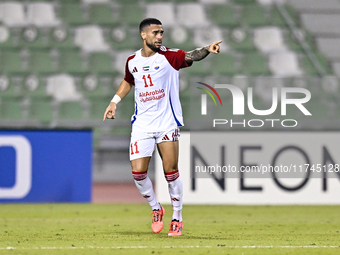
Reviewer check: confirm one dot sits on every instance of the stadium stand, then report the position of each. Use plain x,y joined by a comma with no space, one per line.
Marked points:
61,60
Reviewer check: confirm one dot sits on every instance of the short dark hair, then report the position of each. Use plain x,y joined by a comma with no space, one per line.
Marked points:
148,22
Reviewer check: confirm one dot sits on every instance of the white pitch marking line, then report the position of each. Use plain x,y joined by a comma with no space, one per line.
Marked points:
164,247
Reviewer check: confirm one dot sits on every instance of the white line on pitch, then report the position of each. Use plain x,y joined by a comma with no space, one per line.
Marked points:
164,247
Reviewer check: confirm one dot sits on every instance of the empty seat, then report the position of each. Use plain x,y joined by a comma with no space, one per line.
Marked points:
244,2
191,15
41,62
101,14
72,13
42,14
11,109
34,87
199,68
121,58
269,39
9,38
223,15
224,64
95,86
31,37
11,62
204,36
41,110
70,110
8,88
131,14
122,37
12,14
70,61
180,38
284,63
100,63
61,37
90,38
241,40
162,11
62,88
98,106
254,15
254,64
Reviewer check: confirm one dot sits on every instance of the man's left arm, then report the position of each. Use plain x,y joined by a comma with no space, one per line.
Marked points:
199,54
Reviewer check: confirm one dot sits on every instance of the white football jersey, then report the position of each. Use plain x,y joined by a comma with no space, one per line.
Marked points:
157,104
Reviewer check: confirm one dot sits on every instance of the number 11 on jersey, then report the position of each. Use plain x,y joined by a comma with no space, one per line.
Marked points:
146,84
135,145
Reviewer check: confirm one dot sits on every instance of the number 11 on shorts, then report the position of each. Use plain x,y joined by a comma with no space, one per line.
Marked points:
135,145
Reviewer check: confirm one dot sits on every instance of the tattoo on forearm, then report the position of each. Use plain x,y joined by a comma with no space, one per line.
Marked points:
196,55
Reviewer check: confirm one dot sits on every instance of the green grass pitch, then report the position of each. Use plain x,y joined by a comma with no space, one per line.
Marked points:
125,229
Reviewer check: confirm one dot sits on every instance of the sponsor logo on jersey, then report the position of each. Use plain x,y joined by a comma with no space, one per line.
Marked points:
134,70
146,68
156,67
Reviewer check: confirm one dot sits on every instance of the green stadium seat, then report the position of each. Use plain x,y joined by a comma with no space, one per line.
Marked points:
126,108
33,87
101,14
70,110
244,2
199,68
41,62
70,61
95,86
12,39
241,40
171,41
11,109
254,15
121,38
8,88
223,15
254,64
72,14
100,62
60,37
98,106
309,68
32,37
11,62
131,14
224,64
41,110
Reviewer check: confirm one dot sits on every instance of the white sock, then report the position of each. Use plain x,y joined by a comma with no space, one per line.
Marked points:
145,188
176,195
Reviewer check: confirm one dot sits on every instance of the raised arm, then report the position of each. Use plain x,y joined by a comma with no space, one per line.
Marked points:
123,89
199,54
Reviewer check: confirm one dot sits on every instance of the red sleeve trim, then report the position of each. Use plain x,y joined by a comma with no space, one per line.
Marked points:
128,76
175,57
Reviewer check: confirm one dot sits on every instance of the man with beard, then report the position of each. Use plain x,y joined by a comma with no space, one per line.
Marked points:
153,71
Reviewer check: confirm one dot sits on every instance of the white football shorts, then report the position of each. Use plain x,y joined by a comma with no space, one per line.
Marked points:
143,144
